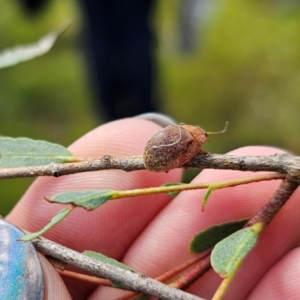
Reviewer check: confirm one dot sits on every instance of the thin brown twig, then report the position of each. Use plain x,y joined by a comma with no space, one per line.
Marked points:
135,281
84,277
266,214
171,273
192,275
106,282
281,163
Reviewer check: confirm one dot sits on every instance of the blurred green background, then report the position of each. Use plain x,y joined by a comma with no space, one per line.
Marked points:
245,70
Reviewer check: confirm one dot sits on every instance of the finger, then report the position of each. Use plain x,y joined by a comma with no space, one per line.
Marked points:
274,242
164,243
281,281
111,228
54,285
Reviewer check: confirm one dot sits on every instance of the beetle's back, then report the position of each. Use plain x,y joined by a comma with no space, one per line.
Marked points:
170,148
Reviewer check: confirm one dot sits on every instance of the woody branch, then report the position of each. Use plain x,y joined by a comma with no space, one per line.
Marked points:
281,163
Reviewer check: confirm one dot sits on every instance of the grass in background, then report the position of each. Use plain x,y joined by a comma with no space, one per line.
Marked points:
245,71
48,97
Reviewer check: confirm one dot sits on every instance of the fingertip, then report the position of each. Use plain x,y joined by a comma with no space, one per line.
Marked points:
281,281
209,174
119,138
257,150
240,201
54,285
122,137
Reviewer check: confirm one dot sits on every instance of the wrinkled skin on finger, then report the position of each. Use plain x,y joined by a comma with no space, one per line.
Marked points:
112,228
164,243
151,233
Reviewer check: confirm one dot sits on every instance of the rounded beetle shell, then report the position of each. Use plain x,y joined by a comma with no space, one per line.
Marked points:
173,146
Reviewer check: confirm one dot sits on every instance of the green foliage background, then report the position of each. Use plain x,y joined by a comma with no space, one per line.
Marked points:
245,70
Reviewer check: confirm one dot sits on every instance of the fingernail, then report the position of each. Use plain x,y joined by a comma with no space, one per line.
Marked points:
157,118
21,271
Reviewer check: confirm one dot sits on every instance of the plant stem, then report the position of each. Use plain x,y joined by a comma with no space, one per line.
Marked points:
281,196
86,278
264,216
194,186
192,275
135,281
222,288
196,260
281,163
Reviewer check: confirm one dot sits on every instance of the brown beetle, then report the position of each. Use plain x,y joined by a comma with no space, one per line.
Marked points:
173,146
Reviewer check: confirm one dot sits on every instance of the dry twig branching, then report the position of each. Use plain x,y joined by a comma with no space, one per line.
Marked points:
280,163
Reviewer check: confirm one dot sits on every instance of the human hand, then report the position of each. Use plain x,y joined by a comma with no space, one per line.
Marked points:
151,234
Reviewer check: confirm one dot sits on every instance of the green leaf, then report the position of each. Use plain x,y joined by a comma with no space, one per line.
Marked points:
10,57
143,297
228,254
106,259
24,152
111,261
173,194
209,237
206,196
89,199
55,220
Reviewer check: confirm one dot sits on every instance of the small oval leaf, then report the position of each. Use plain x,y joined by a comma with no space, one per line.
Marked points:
111,261
209,237
55,220
175,193
89,199
228,254
143,297
206,196
106,259
24,152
